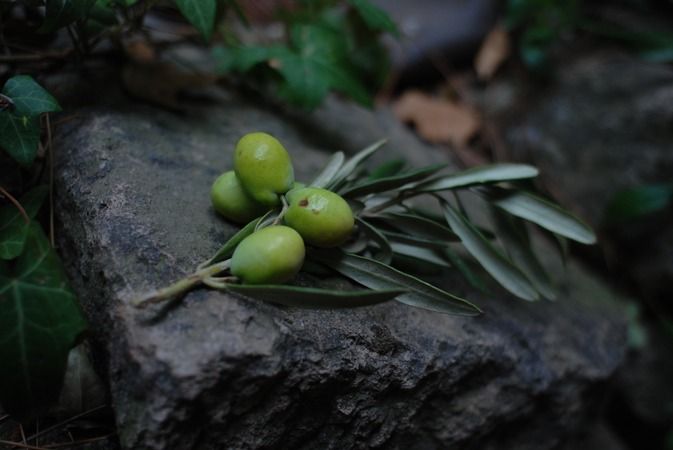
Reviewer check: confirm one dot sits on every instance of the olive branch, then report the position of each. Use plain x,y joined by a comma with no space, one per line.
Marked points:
393,233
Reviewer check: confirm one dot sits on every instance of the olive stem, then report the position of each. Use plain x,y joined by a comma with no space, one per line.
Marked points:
182,285
282,212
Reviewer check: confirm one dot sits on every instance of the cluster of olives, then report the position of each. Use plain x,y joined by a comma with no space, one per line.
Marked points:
263,178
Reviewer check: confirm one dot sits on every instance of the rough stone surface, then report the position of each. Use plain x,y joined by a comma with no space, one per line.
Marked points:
601,125
217,371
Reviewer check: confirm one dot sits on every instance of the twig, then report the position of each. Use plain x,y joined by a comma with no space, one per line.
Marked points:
34,57
51,182
80,442
67,421
20,445
3,418
182,285
16,203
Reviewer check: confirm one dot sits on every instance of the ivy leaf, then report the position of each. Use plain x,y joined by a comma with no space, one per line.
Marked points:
19,136
494,173
303,297
376,275
60,13
375,17
495,263
30,99
200,13
39,324
543,213
13,228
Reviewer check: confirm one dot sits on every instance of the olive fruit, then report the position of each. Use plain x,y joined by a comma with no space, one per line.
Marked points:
323,218
264,167
271,255
230,200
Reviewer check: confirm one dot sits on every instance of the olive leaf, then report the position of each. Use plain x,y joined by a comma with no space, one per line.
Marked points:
419,226
494,173
392,182
228,248
40,323
353,163
304,297
376,275
542,212
331,168
387,169
385,253
432,256
493,261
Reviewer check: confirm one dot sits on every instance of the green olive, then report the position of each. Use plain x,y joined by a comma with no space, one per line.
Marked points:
230,200
271,255
264,167
323,218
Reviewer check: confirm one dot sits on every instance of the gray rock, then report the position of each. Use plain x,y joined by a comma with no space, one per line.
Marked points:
219,371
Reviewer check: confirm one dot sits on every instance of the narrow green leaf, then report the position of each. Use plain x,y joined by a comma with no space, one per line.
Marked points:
463,267
431,256
228,248
13,228
513,235
60,13
39,324
392,182
353,163
376,275
387,169
385,253
495,263
375,17
415,240
543,213
200,13
420,226
329,171
30,99
19,136
495,173
303,297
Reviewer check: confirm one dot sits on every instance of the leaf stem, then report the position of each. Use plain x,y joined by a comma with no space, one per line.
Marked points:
182,286
16,203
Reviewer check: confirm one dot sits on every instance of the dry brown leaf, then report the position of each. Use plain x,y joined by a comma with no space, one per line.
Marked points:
140,51
493,52
438,120
161,83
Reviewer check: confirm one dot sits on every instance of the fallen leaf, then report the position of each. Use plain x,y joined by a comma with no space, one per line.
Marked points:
493,52
140,51
438,120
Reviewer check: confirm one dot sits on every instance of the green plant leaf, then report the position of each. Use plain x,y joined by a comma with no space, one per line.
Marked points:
392,182
303,297
13,228
512,233
228,248
329,171
543,213
19,136
428,255
39,324
492,260
30,99
463,267
385,253
637,202
387,169
419,226
494,173
200,13
243,58
375,17
415,240
60,13
353,163
376,275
